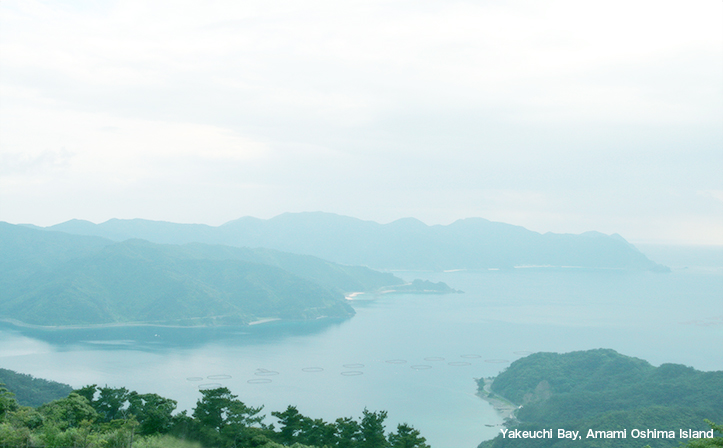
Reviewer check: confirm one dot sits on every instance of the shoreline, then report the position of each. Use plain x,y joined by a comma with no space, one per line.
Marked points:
352,295
504,408
20,324
263,321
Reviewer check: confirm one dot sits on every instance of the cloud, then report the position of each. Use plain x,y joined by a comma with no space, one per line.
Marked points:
22,163
534,112
42,142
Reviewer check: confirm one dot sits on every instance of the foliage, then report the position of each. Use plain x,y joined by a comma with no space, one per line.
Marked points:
154,413
7,401
407,437
708,443
372,430
105,417
164,441
604,390
31,391
69,412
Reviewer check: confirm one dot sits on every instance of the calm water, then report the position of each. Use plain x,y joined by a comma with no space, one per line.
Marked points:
503,315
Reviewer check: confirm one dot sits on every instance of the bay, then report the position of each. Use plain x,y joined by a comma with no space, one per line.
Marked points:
415,356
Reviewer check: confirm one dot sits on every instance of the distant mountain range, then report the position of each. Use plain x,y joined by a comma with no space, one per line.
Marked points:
472,243
139,271
55,278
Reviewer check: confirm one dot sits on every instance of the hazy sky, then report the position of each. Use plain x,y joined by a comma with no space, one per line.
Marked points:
560,116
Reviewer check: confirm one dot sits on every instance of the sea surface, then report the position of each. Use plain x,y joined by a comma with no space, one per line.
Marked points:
415,356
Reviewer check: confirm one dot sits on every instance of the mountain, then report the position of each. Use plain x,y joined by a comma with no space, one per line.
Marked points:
472,243
54,278
602,390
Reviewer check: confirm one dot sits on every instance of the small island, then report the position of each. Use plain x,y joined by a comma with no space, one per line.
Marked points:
421,287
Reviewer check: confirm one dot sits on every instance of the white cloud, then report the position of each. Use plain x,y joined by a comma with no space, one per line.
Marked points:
517,110
117,148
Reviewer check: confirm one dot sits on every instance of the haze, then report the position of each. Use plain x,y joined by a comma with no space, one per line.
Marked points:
558,116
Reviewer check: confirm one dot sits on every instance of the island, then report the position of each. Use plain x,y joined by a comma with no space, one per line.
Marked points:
418,286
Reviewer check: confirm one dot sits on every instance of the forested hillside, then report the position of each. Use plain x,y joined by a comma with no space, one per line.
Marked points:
53,278
604,390
31,391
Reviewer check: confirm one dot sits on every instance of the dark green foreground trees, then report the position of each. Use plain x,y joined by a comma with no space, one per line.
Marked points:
94,417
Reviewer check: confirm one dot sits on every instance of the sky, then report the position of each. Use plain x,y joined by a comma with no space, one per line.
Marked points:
559,116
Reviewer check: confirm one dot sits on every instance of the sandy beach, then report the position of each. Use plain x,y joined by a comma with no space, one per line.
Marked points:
352,295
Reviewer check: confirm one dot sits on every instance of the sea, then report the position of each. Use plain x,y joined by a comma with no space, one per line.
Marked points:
415,356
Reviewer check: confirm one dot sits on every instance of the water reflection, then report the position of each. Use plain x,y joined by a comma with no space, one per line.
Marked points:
415,356
157,338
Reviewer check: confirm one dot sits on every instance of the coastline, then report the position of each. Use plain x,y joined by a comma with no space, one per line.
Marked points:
352,295
504,408
263,321
20,324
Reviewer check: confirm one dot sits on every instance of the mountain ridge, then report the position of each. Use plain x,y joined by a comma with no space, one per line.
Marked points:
406,243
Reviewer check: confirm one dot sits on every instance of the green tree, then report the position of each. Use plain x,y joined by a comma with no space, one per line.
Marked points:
88,392
219,408
11,435
111,403
290,421
7,402
317,432
407,437
222,419
348,433
25,417
708,443
69,412
153,412
372,429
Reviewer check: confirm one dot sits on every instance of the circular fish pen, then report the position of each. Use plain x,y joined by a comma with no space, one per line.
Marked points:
209,386
259,381
312,369
219,377
352,373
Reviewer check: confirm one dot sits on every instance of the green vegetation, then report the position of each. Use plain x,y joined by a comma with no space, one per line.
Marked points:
603,390
422,287
708,443
31,391
52,278
95,417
